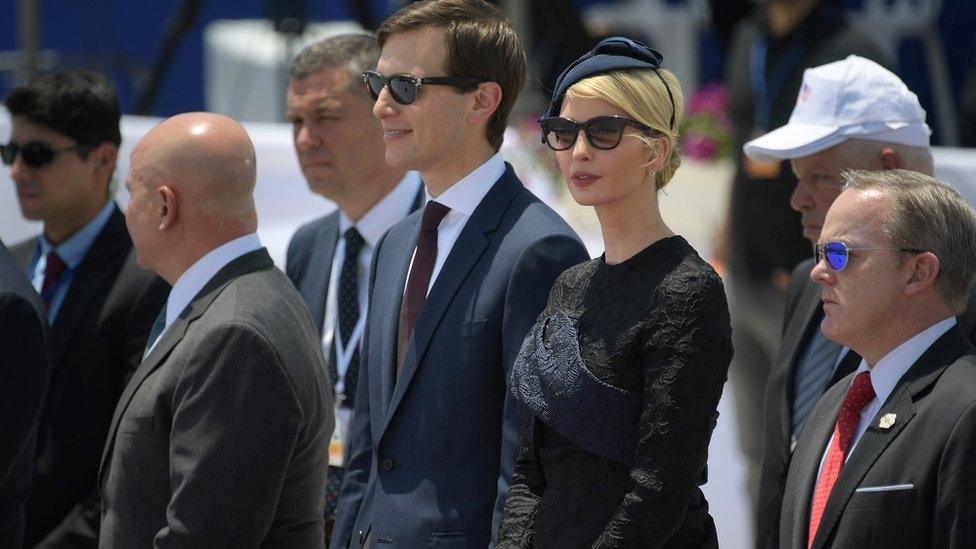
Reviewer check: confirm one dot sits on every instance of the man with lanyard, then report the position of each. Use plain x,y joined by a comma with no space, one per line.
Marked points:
62,151
760,240
340,149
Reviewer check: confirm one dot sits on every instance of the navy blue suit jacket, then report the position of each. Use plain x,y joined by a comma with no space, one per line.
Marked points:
434,447
23,383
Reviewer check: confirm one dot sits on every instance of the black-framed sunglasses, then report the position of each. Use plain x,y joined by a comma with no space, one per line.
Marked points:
838,254
404,87
603,132
35,154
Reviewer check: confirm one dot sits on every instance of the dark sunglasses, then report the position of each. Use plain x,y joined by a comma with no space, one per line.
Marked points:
35,154
837,253
603,132
403,87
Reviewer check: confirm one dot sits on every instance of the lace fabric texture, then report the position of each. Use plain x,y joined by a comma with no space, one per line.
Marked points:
618,384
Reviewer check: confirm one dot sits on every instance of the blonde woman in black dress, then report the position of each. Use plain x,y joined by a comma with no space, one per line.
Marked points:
619,380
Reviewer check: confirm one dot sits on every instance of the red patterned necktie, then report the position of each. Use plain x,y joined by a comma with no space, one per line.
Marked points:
53,268
860,393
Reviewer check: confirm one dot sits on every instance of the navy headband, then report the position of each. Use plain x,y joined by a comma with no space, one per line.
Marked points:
611,54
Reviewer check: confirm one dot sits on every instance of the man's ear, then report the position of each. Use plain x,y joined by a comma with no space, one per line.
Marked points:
922,272
487,98
890,160
103,159
169,206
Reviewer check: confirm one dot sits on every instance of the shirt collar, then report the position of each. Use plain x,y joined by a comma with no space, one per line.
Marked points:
74,248
189,284
890,369
384,214
465,195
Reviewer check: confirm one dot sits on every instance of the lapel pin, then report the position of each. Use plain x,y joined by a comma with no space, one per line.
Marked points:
887,421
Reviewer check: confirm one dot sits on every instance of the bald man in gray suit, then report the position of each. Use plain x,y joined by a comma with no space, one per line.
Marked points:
221,437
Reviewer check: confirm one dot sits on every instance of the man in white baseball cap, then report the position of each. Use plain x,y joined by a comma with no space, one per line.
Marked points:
849,114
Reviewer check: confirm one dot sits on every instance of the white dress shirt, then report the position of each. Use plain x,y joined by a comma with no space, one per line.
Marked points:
886,374
462,198
189,284
372,226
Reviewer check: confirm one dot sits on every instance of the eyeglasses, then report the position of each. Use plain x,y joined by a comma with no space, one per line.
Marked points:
403,87
603,132
837,253
35,154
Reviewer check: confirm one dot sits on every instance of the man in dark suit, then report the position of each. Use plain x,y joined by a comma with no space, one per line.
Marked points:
886,458
100,304
821,143
220,439
340,149
23,384
454,288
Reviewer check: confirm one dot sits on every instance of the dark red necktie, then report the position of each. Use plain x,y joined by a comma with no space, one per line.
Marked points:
420,273
860,393
53,268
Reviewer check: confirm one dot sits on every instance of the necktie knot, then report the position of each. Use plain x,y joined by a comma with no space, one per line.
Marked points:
53,268
860,393
354,241
434,213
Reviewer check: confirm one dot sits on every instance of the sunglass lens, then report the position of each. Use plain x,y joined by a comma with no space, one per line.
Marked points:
8,153
604,133
561,133
404,89
36,154
836,254
374,84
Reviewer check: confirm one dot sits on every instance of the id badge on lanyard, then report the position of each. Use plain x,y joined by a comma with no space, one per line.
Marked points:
339,443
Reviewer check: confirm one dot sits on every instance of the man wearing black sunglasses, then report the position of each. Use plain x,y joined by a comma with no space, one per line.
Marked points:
61,153
455,288
886,456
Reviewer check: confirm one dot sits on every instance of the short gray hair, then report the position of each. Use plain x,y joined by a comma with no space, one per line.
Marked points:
926,214
358,53
860,152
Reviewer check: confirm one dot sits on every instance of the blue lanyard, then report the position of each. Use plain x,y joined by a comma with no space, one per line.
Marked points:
765,91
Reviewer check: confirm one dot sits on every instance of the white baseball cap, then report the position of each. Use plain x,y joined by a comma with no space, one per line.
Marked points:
853,98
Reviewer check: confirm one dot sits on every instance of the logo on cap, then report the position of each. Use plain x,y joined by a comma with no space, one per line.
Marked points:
805,92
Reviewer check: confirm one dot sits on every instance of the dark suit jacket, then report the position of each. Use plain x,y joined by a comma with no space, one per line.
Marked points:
433,450
221,437
930,447
24,372
804,311
96,343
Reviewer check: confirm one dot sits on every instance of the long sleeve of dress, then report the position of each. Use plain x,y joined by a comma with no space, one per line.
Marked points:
685,366
522,506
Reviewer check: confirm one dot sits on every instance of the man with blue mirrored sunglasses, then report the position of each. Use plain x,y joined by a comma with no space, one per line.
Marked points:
885,457
839,123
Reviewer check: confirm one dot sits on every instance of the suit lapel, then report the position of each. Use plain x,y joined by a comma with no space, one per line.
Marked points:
392,289
253,261
795,339
315,286
923,373
470,245
819,427
100,265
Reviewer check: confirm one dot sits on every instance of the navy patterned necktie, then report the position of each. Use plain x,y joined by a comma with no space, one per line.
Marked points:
155,331
813,377
348,311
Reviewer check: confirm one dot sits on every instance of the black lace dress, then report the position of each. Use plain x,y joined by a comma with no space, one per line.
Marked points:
618,384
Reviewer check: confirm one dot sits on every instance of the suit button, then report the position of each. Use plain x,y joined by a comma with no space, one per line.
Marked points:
386,465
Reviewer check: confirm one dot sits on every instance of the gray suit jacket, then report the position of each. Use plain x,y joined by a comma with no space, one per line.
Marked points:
221,437
434,447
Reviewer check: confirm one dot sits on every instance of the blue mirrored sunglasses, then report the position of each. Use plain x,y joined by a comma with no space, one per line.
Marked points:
837,253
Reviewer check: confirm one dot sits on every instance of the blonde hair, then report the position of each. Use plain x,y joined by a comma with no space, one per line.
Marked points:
642,95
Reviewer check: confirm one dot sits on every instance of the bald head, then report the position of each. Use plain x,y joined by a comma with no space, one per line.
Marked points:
192,182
